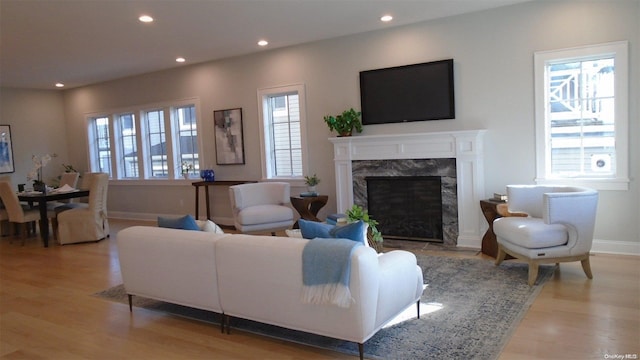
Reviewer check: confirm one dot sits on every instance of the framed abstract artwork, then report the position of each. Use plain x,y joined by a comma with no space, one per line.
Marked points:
229,137
6,150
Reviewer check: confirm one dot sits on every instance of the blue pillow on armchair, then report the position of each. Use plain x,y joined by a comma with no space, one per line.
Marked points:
186,222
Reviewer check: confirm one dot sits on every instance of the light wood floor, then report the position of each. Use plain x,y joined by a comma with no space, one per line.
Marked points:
47,312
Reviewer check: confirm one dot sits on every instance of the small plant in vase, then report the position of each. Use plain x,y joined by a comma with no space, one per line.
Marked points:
311,182
374,236
185,169
345,123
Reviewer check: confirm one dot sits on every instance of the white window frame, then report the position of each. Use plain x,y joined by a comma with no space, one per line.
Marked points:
263,94
116,124
617,181
145,173
91,141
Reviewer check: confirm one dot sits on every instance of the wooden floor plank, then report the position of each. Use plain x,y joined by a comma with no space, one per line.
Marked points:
47,311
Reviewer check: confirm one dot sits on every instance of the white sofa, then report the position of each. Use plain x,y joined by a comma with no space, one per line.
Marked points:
260,278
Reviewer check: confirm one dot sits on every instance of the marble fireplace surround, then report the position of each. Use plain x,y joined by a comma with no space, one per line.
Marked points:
465,146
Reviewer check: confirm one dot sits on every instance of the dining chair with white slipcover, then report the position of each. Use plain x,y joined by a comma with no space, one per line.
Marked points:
26,219
90,223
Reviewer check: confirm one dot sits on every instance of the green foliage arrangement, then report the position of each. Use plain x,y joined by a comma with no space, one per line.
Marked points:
68,168
358,213
312,180
344,123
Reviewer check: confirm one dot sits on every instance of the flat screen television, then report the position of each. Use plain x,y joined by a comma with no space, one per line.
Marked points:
408,93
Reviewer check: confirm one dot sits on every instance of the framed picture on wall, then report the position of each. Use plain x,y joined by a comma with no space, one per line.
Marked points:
229,137
6,150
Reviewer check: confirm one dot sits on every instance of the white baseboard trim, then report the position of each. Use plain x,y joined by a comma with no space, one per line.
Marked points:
615,247
469,242
598,247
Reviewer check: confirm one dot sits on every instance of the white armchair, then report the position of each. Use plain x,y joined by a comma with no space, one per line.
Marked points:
559,227
261,207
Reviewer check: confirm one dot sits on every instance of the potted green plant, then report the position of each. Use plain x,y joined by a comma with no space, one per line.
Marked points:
311,182
374,236
344,123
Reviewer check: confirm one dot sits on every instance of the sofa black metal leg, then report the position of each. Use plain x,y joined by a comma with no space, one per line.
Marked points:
130,297
418,306
361,350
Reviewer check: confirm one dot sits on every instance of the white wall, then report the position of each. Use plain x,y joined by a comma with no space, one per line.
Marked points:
38,127
493,53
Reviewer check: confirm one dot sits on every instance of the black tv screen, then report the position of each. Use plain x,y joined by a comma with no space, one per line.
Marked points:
408,93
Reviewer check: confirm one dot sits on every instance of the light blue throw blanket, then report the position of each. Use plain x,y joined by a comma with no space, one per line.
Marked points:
326,270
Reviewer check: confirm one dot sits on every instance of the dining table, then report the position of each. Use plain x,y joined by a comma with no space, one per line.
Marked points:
42,199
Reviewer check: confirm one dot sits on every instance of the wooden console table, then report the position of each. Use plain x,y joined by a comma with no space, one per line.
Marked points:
308,206
206,184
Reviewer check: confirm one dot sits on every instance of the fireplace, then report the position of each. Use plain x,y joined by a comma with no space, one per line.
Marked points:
406,207
455,156
402,170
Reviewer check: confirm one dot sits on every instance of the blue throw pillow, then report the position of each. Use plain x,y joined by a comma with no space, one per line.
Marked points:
186,222
312,229
353,231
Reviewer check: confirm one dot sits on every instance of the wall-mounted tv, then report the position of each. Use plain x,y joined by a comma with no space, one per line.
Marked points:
408,93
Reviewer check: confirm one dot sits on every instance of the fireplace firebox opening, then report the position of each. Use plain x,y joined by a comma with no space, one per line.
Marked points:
407,207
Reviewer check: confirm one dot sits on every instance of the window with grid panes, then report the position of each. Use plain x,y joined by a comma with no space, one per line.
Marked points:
100,144
156,144
166,134
187,131
128,158
582,116
282,119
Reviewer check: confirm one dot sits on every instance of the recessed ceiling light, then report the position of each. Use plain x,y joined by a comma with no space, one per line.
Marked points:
386,18
263,43
145,18
59,85
180,60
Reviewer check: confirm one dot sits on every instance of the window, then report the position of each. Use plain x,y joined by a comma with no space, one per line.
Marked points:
187,149
282,121
166,134
128,159
582,116
156,149
100,145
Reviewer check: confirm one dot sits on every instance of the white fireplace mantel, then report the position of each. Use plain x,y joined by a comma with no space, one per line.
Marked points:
465,146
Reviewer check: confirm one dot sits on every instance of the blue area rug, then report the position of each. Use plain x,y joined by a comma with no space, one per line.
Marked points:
469,309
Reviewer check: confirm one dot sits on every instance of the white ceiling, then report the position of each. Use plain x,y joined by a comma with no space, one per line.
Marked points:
80,42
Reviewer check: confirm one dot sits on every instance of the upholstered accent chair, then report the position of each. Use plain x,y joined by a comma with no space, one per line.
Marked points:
558,228
90,223
16,214
261,207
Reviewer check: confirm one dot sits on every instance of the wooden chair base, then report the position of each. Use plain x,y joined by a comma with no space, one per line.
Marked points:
534,264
